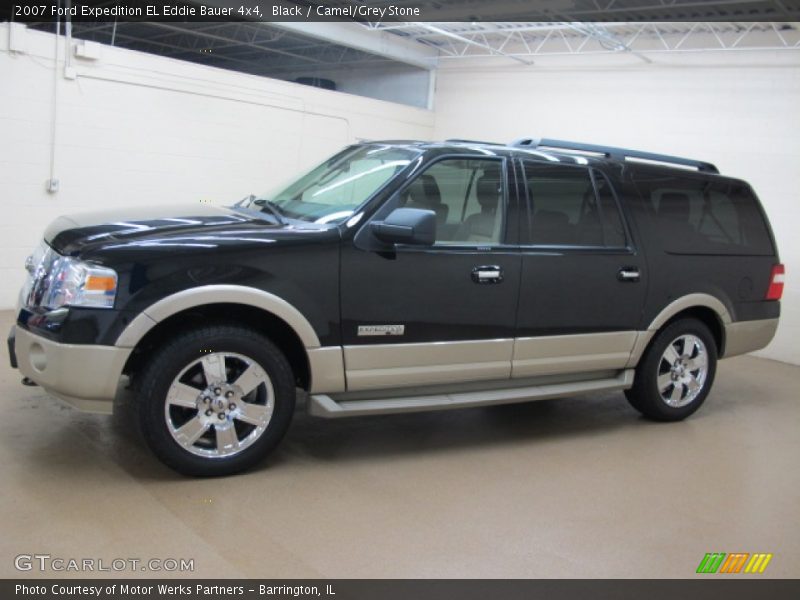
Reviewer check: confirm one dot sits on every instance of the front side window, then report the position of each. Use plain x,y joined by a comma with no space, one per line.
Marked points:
565,209
331,192
468,197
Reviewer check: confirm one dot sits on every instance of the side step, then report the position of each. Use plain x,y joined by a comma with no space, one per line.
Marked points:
322,405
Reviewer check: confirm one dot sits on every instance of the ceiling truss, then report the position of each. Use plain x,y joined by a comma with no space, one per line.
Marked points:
287,51
523,42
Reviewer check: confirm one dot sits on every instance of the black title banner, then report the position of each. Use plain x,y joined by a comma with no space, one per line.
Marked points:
398,10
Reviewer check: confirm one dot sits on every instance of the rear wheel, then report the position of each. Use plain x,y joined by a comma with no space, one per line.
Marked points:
215,400
676,372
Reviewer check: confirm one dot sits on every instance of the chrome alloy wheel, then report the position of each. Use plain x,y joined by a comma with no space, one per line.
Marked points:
219,404
682,370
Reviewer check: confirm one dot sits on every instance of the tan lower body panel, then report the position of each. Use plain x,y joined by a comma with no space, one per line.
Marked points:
741,337
377,366
748,336
373,367
84,376
550,355
642,340
327,369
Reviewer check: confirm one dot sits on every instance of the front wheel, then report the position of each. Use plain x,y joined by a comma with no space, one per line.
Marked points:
216,400
676,372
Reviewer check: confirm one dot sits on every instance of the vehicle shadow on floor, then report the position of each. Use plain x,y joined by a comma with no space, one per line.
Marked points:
340,442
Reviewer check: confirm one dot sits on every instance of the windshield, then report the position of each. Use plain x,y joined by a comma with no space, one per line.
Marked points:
332,191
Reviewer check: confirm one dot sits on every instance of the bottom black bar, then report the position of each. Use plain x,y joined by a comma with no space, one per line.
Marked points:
711,586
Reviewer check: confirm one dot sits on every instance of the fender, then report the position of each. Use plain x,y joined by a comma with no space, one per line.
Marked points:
217,294
691,301
670,310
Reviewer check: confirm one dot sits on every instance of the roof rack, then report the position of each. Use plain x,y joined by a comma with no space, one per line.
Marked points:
615,153
458,141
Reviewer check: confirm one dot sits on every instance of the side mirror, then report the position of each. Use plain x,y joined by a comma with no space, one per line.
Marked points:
406,226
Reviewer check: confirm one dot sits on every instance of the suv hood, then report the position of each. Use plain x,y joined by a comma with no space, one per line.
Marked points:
170,228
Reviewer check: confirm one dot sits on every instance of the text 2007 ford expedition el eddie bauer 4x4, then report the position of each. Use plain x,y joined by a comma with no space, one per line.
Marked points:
401,276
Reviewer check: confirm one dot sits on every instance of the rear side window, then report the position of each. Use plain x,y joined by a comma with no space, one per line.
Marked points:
697,216
613,230
568,208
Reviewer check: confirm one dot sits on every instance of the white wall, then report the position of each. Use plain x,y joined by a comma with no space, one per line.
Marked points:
738,110
137,129
393,82
398,83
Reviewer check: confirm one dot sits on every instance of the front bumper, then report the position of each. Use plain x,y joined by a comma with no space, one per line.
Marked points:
82,375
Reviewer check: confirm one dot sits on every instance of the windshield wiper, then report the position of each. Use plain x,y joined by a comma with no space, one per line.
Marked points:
271,206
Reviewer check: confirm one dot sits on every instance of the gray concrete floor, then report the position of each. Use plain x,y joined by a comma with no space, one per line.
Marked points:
579,487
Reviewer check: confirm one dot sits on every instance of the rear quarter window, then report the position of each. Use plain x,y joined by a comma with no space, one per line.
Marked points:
696,215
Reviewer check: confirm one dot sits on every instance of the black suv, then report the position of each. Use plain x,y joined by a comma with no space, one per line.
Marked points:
403,276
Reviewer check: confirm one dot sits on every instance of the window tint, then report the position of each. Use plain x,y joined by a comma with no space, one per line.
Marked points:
467,196
613,229
565,210
697,216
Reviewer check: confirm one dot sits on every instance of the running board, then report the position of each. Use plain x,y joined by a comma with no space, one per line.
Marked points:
322,405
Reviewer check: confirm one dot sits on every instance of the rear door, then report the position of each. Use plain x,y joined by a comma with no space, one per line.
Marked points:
583,283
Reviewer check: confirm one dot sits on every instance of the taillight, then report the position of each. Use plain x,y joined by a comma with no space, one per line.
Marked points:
775,289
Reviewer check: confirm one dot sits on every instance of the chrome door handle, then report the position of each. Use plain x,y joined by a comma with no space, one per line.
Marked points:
628,274
487,274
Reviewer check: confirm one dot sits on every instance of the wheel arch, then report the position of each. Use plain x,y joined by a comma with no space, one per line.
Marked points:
705,304
217,294
261,311
706,308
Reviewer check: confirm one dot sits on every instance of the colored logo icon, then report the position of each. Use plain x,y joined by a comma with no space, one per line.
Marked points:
736,562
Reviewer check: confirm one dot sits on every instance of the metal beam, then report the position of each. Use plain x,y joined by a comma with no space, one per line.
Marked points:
529,40
469,42
368,40
606,39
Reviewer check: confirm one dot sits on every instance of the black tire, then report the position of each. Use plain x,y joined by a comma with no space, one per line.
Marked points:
645,395
186,349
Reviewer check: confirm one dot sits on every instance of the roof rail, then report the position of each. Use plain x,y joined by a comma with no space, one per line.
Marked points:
458,141
612,152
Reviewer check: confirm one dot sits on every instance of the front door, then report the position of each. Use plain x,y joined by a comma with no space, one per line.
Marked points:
583,284
436,314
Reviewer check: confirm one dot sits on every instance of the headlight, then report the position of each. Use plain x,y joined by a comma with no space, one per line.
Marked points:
72,282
